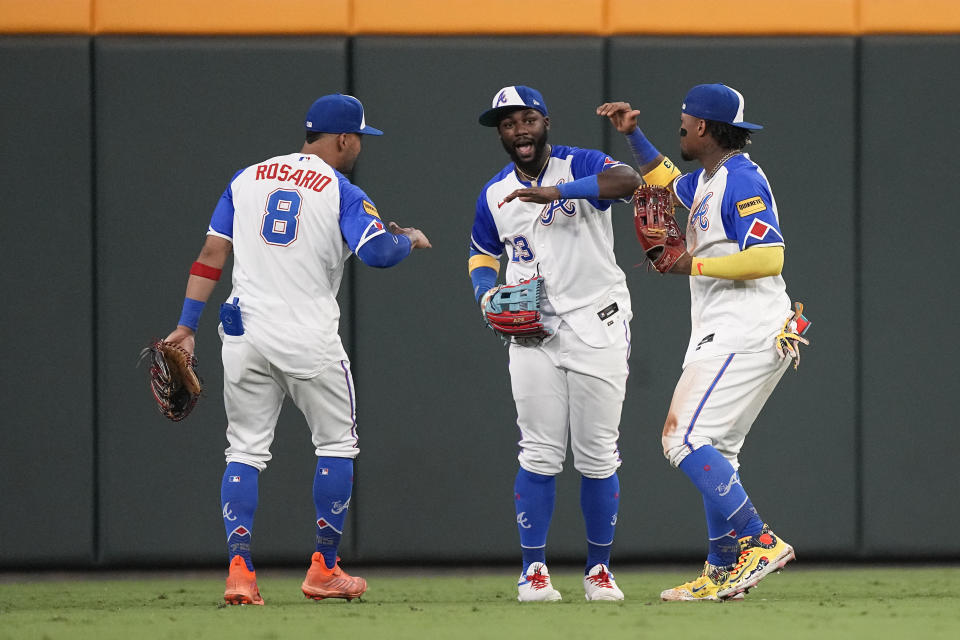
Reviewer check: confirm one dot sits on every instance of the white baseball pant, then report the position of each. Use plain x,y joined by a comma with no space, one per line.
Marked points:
565,389
253,393
716,402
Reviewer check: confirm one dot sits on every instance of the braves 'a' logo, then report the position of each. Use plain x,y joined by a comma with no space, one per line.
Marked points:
522,520
699,216
339,507
549,212
724,489
502,98
566,207
228,513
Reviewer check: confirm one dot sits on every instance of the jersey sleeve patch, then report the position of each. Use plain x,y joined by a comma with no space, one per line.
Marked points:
357,224
369,208
750,205
373,229
761,232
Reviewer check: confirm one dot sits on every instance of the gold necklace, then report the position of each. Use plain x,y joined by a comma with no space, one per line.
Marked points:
528,176
719,164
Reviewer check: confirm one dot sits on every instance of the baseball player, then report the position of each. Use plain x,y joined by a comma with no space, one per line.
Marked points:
291,222
738,341
549,211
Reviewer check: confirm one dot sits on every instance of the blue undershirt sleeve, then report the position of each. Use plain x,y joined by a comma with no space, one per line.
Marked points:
364,231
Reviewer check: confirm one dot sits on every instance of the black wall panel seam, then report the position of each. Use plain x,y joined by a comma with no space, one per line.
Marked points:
94,304
858,496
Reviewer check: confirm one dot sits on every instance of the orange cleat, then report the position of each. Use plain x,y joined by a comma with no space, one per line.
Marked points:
323,583
241,584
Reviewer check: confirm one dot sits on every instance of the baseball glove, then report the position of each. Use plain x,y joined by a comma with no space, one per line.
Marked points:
173,378
657,229
790,337
513,311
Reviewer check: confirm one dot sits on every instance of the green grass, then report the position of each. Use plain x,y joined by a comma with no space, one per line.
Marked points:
913,603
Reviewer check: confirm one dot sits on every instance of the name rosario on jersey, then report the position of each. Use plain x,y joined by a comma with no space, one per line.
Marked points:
284,173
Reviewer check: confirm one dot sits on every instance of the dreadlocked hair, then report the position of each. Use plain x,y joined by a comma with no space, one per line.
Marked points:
727,135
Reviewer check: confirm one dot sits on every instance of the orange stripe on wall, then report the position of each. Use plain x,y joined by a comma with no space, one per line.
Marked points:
736,17
913,16
45,16
464,17
221,16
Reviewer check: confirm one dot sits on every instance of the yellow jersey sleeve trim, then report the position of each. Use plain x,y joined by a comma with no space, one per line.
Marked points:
755,262
481,260
663,174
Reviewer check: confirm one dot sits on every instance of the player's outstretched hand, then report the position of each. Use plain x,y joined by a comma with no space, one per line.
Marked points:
621,114
417,239
540,195
184,337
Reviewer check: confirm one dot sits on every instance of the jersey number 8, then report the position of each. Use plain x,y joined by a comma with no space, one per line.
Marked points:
281,217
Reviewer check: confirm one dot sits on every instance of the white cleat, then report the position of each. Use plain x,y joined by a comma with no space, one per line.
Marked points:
599,584
534,585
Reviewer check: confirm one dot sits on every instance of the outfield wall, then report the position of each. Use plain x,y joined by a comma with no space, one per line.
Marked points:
116,148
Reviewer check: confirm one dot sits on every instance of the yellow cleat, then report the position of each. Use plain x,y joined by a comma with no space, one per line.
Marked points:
760,555
702,588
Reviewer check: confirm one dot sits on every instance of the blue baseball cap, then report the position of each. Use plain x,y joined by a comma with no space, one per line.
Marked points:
510,99
338,113
717,102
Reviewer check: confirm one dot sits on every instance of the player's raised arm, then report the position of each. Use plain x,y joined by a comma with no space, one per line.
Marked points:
653,166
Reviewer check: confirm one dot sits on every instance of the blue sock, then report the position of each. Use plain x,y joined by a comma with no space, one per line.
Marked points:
238,497
534,496
332,487
599,501
723,538
719,483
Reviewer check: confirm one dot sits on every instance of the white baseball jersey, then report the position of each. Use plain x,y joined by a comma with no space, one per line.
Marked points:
568,242
730,212
293,221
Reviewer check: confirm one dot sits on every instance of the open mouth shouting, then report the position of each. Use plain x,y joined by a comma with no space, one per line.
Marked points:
525,149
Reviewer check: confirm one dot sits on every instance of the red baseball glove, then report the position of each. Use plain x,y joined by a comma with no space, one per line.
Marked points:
657,229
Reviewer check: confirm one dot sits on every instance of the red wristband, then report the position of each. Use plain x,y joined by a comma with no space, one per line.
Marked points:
205,271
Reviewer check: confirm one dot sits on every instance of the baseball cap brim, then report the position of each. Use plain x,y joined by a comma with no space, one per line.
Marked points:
492,117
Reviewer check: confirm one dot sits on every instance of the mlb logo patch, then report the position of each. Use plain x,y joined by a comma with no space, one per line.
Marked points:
234,479
324,472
